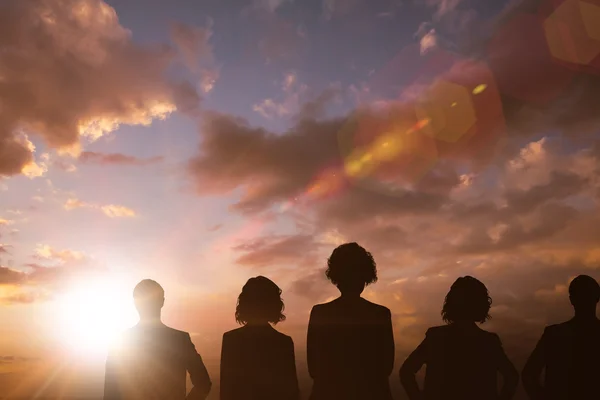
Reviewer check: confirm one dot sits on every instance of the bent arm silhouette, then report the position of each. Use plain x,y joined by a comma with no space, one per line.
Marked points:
198,374
411,366
533,370
508,371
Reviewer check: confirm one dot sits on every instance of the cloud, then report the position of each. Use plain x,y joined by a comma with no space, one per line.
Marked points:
115,211
283,251
293,93
9,276
194,45
6,222
90,157
110,210
272,167
53,272
45,252
111,80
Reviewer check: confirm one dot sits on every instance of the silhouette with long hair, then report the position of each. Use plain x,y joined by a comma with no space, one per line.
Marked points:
462,359
570,352
150,360
258,362
350,346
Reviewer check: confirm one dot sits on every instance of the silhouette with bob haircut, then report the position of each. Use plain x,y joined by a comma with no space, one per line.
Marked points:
569,352
462,359
350,344
258,362
151,360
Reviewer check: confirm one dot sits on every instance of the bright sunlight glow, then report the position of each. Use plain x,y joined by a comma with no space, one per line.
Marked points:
93,314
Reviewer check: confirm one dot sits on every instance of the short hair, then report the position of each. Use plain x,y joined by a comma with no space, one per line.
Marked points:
148,291
350,261
260,301
467,300
584,289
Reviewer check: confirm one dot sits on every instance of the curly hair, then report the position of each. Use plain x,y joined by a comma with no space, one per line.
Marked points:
350,263
467,300
260,301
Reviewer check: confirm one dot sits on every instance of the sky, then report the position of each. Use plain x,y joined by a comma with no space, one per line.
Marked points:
202,143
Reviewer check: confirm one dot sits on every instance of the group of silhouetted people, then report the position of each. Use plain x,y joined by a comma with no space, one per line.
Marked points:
350,347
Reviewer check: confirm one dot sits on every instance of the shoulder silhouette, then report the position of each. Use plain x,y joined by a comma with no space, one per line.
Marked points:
258,362
151,360
350,346
463,361
569,352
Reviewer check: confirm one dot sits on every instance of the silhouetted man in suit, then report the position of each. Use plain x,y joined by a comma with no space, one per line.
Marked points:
151,360
570,352
350,345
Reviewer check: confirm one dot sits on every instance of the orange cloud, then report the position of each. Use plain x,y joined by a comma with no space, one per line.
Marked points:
110,210
114,211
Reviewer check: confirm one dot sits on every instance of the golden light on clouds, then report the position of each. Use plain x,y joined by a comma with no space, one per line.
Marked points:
110,210
4,221
95,128
47,252
115,211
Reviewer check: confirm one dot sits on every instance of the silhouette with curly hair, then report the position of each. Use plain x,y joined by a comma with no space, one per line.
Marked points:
462,359
257,362
350,346
151,361
569,352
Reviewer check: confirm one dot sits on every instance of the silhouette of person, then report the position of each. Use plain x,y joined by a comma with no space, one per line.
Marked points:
462,359
257,362
350,344
150,360
570,352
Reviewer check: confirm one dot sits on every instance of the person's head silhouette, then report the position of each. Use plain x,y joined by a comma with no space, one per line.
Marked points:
149,298
584,293
259,303
350,267
467,301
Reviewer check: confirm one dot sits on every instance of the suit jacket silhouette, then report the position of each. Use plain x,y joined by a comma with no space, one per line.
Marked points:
150,363
258,363
350,350
570,352
461,363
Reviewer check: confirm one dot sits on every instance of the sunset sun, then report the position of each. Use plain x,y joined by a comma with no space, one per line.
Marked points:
92,315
